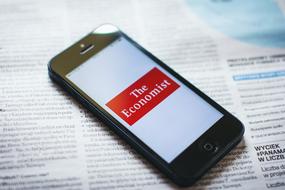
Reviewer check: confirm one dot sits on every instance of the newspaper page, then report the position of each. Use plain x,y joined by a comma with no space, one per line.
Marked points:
232,50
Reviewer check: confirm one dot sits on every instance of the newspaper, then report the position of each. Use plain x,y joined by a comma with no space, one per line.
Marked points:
49,141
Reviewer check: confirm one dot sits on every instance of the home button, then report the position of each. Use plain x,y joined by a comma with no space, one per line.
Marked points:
210,147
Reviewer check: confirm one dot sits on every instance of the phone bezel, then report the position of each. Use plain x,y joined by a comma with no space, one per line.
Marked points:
193,162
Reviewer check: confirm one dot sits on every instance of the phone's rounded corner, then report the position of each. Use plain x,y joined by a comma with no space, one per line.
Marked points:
50,64
105,28
183,181
52,67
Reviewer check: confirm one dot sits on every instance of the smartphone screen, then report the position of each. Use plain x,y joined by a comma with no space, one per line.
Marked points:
150,102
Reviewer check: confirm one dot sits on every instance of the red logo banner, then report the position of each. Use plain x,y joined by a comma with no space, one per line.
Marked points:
142,96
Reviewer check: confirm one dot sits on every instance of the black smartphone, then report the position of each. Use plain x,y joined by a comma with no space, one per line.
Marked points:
164,117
